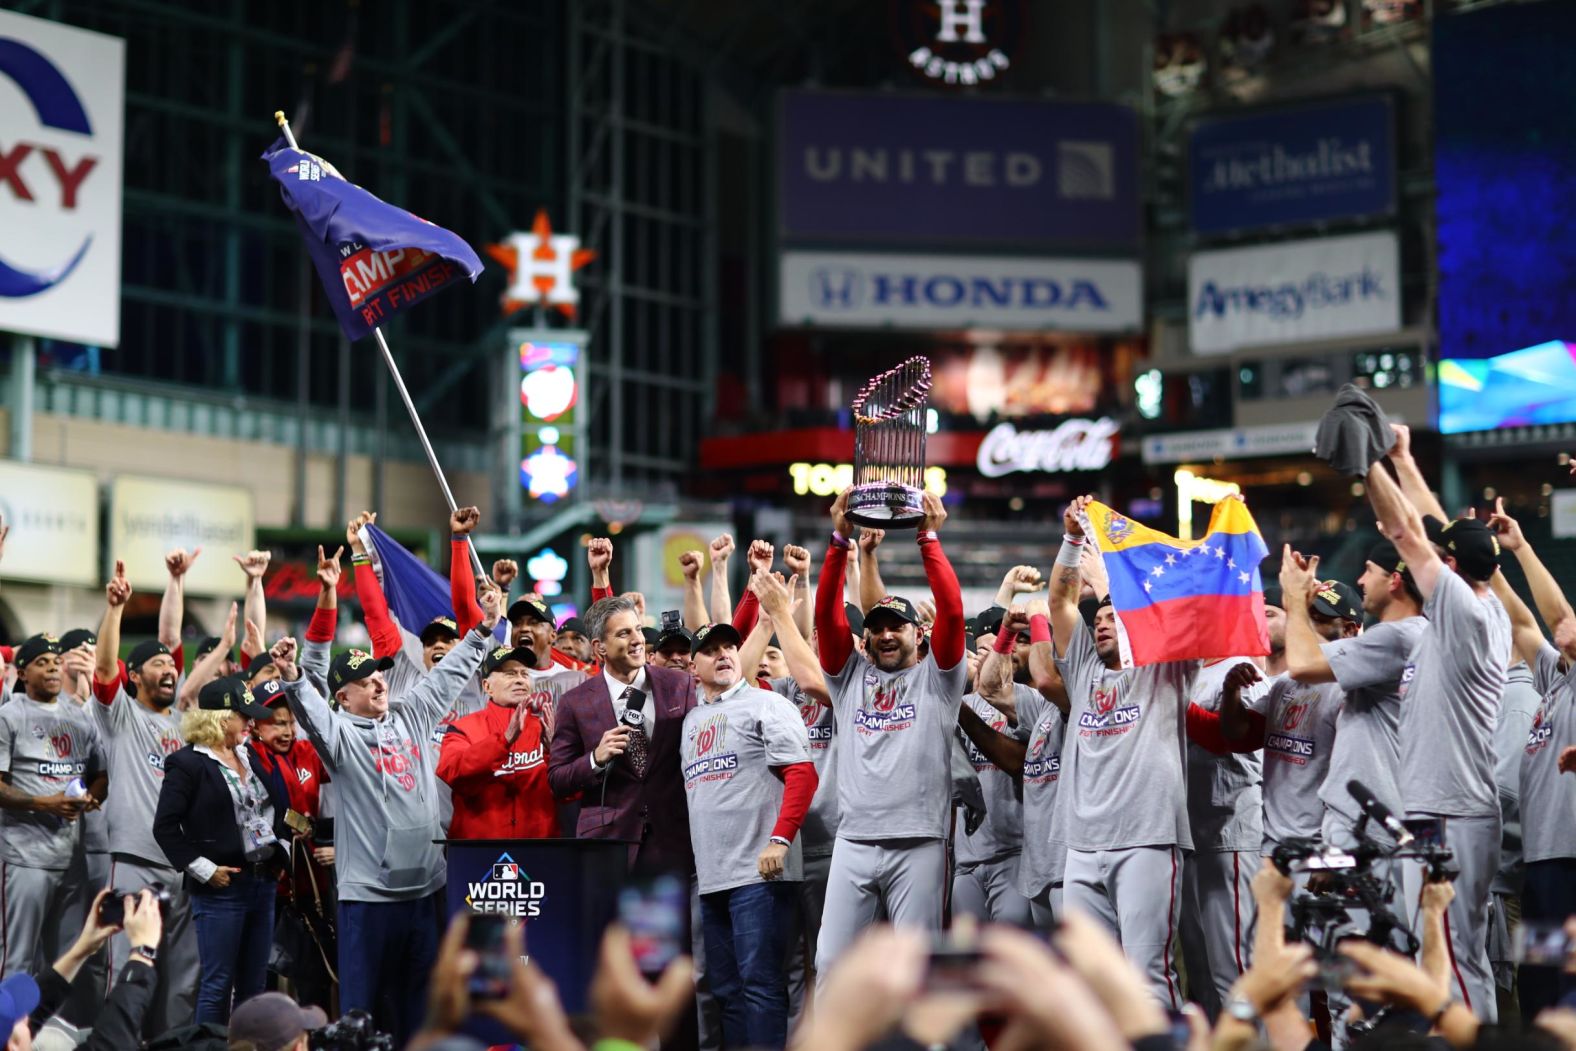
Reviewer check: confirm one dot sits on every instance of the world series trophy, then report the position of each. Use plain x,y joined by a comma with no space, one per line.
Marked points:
889,447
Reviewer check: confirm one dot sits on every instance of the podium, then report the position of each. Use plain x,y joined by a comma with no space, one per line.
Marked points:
565,891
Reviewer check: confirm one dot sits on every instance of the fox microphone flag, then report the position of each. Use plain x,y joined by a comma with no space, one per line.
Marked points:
1183,599
375,260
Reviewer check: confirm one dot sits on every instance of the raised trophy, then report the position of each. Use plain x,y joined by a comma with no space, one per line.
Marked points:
889,447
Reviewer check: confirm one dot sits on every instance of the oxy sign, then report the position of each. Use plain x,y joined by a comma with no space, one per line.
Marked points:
1073,445
62,96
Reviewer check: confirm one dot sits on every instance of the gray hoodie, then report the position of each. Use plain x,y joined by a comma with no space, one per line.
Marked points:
385,785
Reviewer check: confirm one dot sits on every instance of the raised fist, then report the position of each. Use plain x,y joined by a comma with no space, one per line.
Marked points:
118,590
254,563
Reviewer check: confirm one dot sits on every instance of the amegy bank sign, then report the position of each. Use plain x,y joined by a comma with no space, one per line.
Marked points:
1073,445
62,97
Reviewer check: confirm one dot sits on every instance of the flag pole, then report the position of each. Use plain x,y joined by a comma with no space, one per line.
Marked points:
404,394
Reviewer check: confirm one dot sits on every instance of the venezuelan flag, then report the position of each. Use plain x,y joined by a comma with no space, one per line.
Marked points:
1184,599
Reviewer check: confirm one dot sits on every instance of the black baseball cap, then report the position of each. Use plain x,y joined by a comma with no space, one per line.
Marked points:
574,624
651,636
720,632
259,662
901,608
494,660
1386,557
988,621
1274,597
531,605
1336,598
76,637
674,635
273,1021
269,693
231,694
143,652
353,666
208,645
438,628
34,648
1471,543
856,619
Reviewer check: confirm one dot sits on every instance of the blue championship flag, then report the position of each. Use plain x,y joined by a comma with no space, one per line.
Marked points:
416,592
375,260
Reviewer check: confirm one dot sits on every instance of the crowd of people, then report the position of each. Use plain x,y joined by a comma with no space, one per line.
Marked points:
892,815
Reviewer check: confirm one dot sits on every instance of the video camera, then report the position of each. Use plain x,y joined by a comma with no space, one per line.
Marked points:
1343,880
353,1032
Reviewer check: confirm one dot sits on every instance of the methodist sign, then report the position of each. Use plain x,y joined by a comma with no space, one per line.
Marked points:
859,290
1294,292
62,92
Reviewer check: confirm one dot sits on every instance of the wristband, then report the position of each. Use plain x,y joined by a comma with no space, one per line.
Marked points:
926,534
1039,628
839,540
459,538
361,560
1071,553
1005,640
780,840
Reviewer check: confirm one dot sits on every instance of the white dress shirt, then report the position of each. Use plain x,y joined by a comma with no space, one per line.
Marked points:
615,689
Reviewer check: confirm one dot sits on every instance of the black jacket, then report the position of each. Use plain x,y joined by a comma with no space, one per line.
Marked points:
119,1024
196,814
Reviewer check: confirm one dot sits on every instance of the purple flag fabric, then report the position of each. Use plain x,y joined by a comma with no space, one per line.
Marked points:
415,591
375,260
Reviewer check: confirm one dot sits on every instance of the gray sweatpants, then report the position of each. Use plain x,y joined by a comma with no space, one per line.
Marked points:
807,932
1044,907
1475,843
87,992
988,891
44,910
1137,893
1217,925
906,875
175,997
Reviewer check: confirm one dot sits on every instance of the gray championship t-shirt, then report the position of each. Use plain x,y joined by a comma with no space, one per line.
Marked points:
1368,730
1126,783
95,823
1517,709
819,831
43,747
894,747
1000,835
1043,859
135,740
1450,694
1548,797
727,751
1299,735
1225,798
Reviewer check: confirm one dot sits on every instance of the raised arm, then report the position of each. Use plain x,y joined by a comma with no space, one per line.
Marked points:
599,559
1044,676
1547,595
995,679
833,637
754,647
777,600
172,608
106,653
254,564
325,729
462,574
385,634
1305,659
1413,485
1067,577
947,634
721,597
324,625
690,563
1401,523
872,588
797,559
1019,580
434,695
207,669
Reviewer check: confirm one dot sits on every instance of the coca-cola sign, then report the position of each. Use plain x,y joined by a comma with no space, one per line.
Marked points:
1075,445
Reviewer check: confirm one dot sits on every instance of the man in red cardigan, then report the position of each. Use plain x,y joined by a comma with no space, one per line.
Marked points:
495,760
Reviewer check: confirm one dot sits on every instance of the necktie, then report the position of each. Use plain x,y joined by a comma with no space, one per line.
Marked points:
639,751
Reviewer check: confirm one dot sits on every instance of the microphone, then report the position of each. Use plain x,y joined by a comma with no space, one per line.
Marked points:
1378,812
633,707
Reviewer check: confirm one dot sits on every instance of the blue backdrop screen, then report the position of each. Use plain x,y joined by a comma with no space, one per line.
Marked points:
1505,168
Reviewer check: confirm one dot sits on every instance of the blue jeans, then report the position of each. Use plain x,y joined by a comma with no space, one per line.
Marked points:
386,949
235,928
747,932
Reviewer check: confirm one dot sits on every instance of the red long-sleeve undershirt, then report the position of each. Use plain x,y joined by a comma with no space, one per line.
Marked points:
598,594
323,625
799,782
462,586
745,614
832,634
386,639
947,633
1204,730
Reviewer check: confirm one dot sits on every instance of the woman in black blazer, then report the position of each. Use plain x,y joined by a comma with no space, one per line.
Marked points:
221,821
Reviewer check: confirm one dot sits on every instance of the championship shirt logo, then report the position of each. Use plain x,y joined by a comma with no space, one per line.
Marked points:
1539,734
505,890
882,712
1289,748
391,759
1107,716
1292,715
1042,770
709,740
